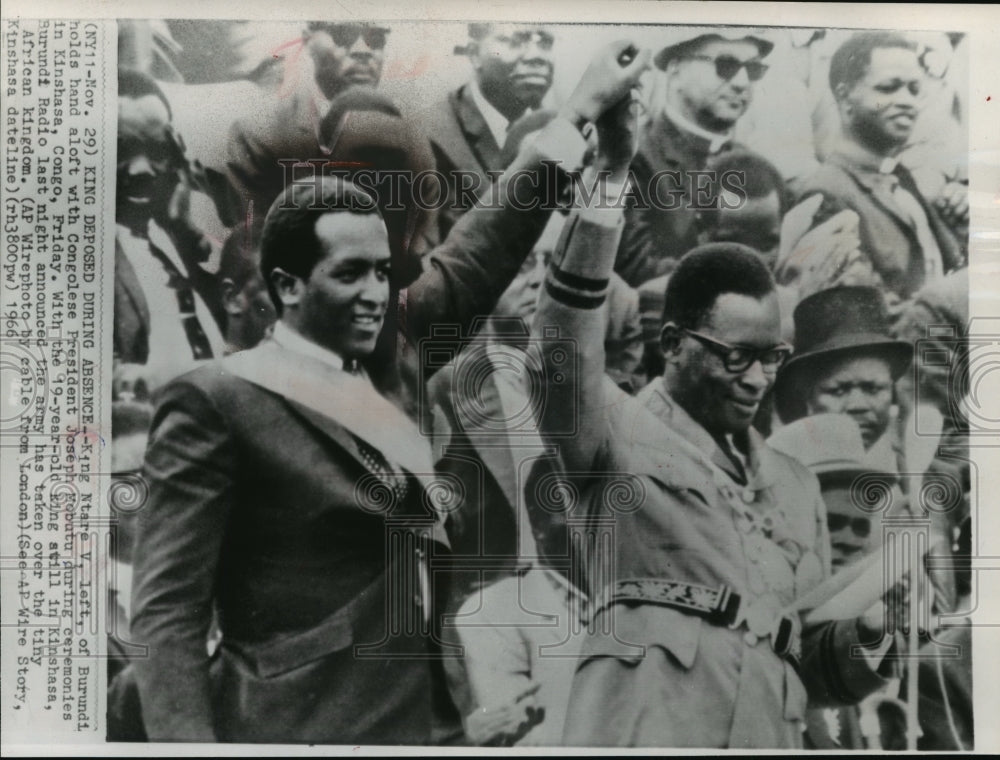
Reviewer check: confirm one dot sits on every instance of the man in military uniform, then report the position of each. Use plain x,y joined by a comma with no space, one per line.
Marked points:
693,638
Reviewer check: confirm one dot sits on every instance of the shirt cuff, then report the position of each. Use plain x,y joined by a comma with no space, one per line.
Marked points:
560,141
603,215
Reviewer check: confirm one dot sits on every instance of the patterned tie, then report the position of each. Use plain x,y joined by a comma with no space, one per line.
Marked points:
200,347
378,466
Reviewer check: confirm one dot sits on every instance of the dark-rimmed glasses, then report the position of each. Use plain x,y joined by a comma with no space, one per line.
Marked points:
728,66
345,35
738,359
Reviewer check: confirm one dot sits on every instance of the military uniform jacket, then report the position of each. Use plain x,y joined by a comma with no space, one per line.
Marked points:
659,500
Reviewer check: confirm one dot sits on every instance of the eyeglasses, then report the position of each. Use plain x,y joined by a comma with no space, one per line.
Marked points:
345,35
740,358
518,40
727,66
860,526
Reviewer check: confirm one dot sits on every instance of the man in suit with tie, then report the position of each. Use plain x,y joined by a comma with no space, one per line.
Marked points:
167,311
878,83
512,72
290,496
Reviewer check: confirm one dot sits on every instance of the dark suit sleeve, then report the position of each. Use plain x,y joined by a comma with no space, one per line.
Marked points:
190,471
465,276
831,674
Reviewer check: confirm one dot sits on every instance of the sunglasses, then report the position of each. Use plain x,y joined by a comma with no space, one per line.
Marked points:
727,66
345,35
520,39
738,359
861,526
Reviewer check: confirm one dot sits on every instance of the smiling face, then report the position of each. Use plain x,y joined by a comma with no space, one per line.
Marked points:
701,95
882,107
722,401
342,303
514,67
147,160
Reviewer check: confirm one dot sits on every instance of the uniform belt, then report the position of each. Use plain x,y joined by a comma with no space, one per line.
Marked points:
719,606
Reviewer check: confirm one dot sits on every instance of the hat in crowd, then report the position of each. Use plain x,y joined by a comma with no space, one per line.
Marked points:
830,445
691,37
831,324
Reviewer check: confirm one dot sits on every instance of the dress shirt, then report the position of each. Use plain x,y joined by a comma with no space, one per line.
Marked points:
496,121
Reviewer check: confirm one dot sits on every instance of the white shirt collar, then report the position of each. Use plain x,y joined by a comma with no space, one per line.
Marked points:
495,120
715,140
288,338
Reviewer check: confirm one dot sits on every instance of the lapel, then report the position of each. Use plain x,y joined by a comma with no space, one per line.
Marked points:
337,403
493,448
878,188
664,441
477,133
671,146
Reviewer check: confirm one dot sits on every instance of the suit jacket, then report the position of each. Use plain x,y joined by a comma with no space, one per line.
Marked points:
253,509
491,460
131,311
461,140
654,237
253,512
887,236
660,500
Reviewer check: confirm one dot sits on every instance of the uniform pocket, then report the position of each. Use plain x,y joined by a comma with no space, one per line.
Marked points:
627,631
290,651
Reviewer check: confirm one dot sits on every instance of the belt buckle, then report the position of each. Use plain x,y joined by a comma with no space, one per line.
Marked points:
760,618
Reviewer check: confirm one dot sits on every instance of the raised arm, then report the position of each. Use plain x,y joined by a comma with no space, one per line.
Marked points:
465,276
570,316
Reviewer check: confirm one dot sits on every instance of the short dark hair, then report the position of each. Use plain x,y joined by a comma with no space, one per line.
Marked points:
850,62
133,83
240,257
708,271
760,178
289,238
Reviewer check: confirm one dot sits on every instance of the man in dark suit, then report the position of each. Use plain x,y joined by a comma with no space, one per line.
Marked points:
167,311
289,495
709,79
512,68
877,82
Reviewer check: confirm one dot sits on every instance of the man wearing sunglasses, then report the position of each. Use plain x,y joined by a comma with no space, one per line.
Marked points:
512,71
709,77
880,87
345,54
691,642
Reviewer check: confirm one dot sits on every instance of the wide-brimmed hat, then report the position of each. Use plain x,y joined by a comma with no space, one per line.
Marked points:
830,445
689,38
830,324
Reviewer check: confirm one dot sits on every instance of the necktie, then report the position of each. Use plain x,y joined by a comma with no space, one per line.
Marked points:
907,196
200,348
378,466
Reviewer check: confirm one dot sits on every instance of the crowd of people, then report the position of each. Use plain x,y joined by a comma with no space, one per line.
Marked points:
496,418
